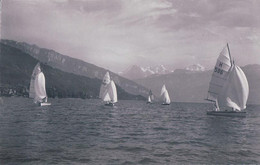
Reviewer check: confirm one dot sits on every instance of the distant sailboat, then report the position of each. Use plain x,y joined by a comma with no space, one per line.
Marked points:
108,92
150,98
228,88
37,87
165,96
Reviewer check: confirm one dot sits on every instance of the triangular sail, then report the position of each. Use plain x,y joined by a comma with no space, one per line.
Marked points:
112,92
104,86
106,79
220,74
39,87
103,91
35,72
151,95
107,98
108,90
163,89
236,90
149,99
165,95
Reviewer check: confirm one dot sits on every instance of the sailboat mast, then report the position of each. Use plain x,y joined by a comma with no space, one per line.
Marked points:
229,55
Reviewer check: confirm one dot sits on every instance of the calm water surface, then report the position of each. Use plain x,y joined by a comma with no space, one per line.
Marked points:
76,131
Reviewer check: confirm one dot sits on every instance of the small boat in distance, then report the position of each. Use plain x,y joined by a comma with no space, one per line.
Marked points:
37,87
228,88
108,92
165,96
150,98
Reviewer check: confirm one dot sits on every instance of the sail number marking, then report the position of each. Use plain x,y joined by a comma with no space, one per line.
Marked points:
218,70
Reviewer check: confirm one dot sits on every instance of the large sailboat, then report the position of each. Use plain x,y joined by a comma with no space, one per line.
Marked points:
165,96
150,98
37,87
228,88
108,92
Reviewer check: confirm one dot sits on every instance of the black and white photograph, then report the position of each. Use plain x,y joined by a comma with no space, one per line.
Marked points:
123,82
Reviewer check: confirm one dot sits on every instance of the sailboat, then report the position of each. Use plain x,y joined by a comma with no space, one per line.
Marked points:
150,98
108,92
37,87
165,96
228,88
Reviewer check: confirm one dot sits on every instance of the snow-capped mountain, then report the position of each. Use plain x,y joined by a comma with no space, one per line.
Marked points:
195,68
159,69
137,72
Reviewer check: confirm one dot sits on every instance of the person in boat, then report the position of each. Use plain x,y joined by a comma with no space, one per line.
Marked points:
44,100
216,106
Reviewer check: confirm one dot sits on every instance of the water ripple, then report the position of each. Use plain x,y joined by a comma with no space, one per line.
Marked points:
76,131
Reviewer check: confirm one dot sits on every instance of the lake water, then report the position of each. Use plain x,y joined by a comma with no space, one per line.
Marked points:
76,131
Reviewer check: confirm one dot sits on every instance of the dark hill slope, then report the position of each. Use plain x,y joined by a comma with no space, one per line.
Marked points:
16,69
75,66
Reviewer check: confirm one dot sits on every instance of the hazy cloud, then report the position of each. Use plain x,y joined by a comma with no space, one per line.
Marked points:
118,33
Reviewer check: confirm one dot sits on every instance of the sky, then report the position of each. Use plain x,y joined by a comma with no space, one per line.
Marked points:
116,34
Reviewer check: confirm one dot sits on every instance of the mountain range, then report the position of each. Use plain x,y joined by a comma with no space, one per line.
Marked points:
184,85
16,68
135,72
189,86
75,66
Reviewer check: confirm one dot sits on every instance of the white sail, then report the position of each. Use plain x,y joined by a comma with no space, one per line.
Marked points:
107,98
163,89
236,90
112,92
165,95
220,74
151,95
103,91
106,79
104,86
108,92
149,99
36,71
37,85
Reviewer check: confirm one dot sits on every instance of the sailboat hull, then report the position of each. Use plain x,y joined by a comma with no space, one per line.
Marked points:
109,104
165,103
227,113
44,104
